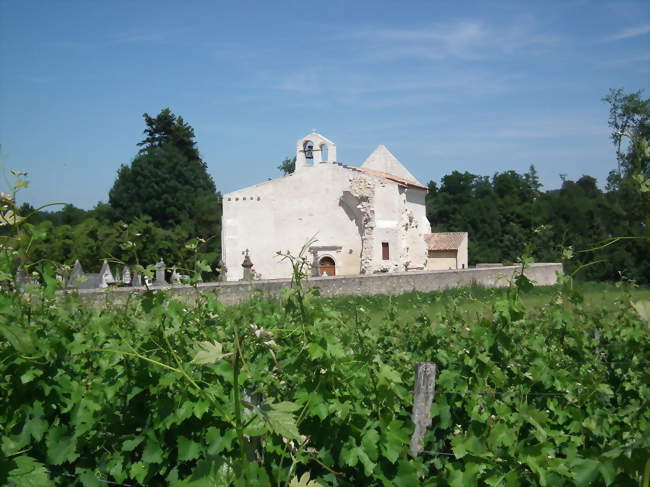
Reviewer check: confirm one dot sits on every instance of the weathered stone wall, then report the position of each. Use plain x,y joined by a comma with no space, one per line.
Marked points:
544,274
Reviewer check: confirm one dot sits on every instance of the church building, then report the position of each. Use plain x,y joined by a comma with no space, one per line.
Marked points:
359,220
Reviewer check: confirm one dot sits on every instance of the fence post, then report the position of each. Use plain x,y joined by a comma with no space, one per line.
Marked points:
255,444
425,389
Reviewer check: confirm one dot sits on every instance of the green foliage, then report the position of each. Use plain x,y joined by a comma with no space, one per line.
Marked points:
288,165
161,201
629,119
507,214
168,129
166,186
499,213
168,183
304,391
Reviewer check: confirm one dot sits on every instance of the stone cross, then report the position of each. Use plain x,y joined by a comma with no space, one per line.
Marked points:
247,265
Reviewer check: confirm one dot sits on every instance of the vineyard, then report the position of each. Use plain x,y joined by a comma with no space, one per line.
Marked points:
305,392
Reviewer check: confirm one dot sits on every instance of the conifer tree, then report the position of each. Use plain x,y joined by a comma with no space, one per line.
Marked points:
167,180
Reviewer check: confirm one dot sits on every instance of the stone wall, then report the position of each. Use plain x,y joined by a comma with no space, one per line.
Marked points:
544,274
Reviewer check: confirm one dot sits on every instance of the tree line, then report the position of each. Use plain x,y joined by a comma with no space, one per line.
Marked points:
603,233
165,205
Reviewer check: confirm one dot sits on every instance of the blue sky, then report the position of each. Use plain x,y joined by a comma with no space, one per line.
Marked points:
480,87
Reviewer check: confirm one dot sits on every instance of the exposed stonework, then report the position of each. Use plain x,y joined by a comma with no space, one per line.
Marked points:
407,224
359,197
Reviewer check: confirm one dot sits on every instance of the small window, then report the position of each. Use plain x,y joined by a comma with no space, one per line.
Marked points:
385,251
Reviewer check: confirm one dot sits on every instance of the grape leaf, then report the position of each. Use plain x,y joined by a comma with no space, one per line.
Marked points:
60,446
209,353
28,473
279,418
187,449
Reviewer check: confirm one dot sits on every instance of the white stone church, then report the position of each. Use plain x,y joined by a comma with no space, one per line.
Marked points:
366,219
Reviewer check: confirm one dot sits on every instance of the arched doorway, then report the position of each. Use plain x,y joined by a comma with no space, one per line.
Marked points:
326,267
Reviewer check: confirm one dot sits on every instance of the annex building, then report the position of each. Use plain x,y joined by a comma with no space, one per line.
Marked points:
366,219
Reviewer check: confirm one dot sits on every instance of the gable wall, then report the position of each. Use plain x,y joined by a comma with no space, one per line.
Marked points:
291,210
342,207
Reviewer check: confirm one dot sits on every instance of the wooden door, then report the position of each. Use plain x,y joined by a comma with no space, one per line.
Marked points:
326,266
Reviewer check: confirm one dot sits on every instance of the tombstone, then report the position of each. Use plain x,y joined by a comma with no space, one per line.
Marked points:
175,277
223,270
21,279
136,279
160,274
126,276
247,265
105,276
77,275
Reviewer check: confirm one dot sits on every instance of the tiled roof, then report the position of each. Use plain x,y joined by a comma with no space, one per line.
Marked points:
390,177
444,240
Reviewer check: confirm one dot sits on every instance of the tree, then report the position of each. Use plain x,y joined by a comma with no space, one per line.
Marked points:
167,128
167,181
288,166
629,119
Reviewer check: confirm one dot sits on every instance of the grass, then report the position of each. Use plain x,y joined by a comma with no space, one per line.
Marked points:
476,302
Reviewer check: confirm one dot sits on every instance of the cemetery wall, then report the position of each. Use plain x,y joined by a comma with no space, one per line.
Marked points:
543,274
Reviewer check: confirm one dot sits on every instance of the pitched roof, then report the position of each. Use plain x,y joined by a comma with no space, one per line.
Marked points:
385,175
382,160
444,240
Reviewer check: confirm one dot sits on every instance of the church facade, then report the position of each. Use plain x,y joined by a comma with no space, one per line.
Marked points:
357,220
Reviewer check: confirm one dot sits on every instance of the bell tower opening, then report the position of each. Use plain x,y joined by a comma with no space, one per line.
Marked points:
313,149
308,150
324,153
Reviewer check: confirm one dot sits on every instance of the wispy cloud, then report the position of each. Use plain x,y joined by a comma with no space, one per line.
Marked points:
640,60
629,32
380,91
465,40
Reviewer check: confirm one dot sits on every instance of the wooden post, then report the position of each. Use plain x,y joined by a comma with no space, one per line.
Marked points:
425,389
255,444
